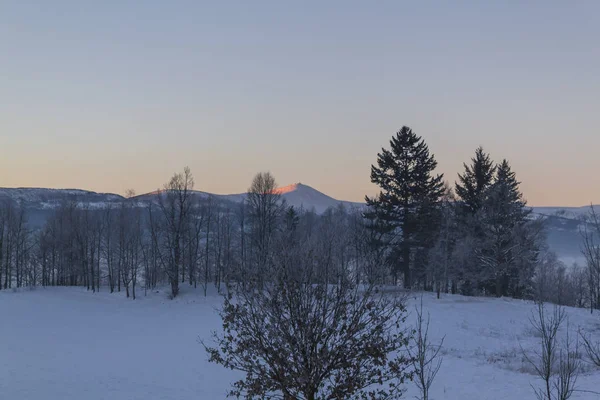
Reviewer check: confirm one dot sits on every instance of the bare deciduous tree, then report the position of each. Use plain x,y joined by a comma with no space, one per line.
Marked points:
557,365
425,355
295,339
175,202
264,209
592,348
591,251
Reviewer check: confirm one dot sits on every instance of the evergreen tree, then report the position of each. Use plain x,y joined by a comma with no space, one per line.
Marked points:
475,181
505,218
409,191
472,191
380,234
291,219
505,200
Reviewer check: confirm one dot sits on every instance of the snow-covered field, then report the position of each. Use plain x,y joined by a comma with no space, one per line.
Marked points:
66,343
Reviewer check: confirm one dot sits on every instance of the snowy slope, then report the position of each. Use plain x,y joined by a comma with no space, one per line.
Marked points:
66,343
50,198
299,195
40,203
229,197
564,212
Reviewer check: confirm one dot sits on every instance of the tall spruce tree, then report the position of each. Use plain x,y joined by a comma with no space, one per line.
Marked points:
505,218
409,190
473,184
472,191
381,233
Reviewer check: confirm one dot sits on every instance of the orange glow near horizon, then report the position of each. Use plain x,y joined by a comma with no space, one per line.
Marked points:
309,92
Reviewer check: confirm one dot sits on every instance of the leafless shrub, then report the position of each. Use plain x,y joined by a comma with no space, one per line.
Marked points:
298,340
591,347
557,365
425,355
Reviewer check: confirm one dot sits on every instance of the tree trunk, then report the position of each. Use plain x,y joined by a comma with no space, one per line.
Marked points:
499,285
406,266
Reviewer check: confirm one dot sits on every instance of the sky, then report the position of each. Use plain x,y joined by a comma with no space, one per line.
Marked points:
110,95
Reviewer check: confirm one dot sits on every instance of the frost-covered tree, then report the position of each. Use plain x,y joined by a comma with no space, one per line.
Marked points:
473,184
3,230
377,235
505,236
409,191
264,208
472,191
17,243
439,263
130,243
498,243
591,251
169,225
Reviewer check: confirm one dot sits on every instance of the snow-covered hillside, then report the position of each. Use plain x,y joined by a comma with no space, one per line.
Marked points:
298,195
43,198
66,343
564,212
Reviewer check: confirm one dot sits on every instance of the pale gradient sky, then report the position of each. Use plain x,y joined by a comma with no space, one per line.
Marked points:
110,95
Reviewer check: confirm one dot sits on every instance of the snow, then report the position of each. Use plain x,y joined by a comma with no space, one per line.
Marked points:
300,195
67,343
297,195
569,261
566,212
50,199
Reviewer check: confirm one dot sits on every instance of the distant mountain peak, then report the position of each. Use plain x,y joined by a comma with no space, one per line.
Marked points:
289,188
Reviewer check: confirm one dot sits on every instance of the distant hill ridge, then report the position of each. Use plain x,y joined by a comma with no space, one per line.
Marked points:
297,194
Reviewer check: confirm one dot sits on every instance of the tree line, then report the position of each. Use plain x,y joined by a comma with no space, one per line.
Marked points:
475,237
177,237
